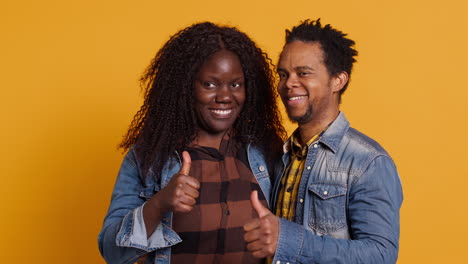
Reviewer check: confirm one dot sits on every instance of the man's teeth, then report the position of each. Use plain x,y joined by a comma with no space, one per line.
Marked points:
222,112
295,98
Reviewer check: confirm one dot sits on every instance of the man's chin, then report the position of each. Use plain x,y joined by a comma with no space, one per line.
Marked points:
298,120
303,119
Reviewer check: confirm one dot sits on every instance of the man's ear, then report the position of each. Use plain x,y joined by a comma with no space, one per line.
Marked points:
339,81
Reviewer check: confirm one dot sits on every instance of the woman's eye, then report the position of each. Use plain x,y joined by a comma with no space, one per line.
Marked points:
209,84
302,73
236,85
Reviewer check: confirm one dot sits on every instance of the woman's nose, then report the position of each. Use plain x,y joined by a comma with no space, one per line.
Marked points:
224,94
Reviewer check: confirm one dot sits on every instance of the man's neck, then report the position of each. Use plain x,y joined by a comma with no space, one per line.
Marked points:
314,127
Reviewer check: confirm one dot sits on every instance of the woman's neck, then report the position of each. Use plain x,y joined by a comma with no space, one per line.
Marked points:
207,139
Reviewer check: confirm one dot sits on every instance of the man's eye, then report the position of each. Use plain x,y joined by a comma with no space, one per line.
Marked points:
236,85
302,73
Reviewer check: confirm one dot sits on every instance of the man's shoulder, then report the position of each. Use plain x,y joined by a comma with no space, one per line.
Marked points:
359,143
355,153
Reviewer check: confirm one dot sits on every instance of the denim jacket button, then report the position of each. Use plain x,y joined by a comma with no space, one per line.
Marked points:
309,167
301,200
315,146
325,192
278,262
261,168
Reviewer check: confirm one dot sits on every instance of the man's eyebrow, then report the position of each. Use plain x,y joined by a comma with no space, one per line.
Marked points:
298,68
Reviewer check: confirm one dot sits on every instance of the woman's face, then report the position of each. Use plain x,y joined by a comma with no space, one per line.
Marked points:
219,92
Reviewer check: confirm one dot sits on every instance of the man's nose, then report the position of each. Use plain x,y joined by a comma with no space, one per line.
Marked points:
292,81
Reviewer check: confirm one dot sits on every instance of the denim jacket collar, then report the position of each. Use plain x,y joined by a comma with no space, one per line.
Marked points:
335,133
332,136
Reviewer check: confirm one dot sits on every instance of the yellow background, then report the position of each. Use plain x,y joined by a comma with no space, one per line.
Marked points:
69,88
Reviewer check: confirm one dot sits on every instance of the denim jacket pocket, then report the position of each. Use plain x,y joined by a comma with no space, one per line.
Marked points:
327,207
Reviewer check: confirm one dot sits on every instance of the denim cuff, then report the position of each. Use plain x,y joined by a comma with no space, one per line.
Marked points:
132,233
290,242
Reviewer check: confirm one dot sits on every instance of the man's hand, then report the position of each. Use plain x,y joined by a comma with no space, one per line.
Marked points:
261,234
180,194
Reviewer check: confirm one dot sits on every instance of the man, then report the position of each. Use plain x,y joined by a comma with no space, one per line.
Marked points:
337,192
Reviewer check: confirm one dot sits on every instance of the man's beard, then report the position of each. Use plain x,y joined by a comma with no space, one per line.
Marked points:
304,118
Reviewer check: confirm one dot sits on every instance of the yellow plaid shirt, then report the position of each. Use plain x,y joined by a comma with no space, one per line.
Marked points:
292,177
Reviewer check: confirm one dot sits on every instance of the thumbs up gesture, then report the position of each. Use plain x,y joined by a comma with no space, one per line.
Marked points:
180,194
261,234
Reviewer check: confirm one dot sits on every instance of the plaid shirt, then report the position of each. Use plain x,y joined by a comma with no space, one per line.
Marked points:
292,177
213,231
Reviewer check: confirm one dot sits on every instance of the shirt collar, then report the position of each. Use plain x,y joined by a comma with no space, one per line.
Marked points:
296,147
331,137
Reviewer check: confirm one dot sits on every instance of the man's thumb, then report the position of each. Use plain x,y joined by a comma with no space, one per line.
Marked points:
257,205
186,163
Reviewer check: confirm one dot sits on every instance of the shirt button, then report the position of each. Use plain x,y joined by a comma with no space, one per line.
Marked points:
261,168
315,146
325,192
309,167
301,200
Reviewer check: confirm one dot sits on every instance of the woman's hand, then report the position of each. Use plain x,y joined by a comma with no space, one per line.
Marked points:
181,193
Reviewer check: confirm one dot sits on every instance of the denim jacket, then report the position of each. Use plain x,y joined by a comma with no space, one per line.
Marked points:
123,236
348,202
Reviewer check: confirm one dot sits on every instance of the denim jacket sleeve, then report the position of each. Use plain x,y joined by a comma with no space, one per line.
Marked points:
373,210
123,236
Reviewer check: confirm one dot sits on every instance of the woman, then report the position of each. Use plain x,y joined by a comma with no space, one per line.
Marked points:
200,144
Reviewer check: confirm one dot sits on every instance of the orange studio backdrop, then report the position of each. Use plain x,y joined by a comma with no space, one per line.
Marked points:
69,88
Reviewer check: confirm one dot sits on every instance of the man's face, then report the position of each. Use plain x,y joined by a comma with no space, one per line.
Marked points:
305,86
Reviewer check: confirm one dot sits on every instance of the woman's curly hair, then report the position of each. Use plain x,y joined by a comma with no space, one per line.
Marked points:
166,122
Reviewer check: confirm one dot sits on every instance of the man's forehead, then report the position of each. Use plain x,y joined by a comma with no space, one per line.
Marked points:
300,58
